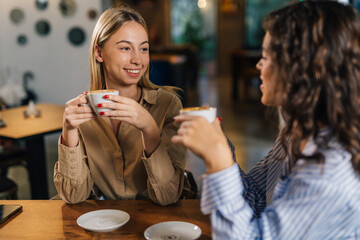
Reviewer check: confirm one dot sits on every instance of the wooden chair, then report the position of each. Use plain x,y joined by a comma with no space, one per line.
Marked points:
10,155
190,190
8,189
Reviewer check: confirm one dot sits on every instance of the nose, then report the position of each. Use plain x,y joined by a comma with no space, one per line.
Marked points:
258,65
135,58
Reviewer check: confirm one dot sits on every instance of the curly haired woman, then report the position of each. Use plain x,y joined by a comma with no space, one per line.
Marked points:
308,187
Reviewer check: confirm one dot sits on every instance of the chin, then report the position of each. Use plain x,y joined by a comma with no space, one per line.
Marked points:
268,102
263,100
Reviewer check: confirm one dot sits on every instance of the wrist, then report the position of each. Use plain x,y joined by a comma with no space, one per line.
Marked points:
151,139
69,138
218,159
151,131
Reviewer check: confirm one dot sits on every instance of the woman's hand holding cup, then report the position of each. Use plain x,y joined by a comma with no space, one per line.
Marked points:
204,138
97,99
76,112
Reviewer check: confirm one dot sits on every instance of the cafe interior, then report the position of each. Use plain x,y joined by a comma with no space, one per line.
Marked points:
208,48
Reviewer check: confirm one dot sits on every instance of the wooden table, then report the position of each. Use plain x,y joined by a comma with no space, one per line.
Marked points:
32,131
54,219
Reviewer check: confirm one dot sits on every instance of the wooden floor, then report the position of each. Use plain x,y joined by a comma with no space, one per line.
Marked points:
246,123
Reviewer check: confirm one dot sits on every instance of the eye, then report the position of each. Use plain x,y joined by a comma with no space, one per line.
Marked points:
125,48
144,49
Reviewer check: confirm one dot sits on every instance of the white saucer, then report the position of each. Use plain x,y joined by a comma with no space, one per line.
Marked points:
172,231
103,220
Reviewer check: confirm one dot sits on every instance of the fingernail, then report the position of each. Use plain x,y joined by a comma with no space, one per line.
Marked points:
102,113
220,119
100,105
85,92
106,96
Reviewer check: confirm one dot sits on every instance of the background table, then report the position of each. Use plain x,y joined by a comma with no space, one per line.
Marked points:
54,219
169,70
243,64
32,131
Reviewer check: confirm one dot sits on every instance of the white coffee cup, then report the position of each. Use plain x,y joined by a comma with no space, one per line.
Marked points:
207,112
97,96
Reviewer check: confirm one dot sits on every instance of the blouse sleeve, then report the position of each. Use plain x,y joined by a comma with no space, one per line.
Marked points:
71,174
165,166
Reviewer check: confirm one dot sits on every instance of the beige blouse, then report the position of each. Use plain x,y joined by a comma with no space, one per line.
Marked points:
116,166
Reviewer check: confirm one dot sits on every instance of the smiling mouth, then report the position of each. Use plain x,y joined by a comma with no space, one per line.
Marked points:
132,71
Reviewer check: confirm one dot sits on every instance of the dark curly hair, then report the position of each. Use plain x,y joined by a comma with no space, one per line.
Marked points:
315,50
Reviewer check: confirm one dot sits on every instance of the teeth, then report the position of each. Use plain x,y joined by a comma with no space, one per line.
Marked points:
132,71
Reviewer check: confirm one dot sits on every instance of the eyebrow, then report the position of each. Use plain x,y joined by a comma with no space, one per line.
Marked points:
124,41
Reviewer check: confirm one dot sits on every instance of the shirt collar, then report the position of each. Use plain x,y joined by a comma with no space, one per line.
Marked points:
148,95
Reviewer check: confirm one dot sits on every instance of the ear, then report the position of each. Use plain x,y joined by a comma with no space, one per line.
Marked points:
98,54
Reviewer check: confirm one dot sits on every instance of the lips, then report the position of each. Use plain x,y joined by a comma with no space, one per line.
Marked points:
262,85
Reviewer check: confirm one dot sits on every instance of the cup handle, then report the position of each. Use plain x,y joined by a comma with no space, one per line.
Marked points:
86,104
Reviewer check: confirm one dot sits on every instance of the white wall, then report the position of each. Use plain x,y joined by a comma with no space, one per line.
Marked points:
61,70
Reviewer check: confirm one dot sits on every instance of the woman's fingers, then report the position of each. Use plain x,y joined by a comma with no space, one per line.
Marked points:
205,139
178,139
76,113
76,102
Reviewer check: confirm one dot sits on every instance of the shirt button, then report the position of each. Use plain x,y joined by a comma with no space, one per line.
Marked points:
72,151
72,159
73,174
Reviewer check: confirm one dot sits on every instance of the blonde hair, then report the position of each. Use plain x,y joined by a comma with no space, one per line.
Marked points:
109,22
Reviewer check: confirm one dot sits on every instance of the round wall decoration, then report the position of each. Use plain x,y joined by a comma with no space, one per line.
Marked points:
67,7
17,15
76,36
42,27
41,4
22,39
92,14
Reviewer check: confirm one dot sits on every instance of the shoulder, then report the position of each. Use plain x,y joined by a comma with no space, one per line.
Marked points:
164,94
160,102
335,172
168,98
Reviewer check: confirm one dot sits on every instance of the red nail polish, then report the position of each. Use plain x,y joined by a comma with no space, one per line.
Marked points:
106,96
99,105
102,113
220,119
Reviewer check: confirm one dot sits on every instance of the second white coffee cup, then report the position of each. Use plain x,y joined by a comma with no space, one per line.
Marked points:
207,112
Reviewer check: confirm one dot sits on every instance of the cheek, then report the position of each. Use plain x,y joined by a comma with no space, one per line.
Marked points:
145,60
115,58
268,71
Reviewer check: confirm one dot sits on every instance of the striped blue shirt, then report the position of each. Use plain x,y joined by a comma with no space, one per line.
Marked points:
276,201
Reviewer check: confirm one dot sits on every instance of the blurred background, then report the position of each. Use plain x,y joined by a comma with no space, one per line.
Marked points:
209,48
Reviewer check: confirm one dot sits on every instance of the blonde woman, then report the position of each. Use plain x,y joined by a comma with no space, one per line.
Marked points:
126,153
